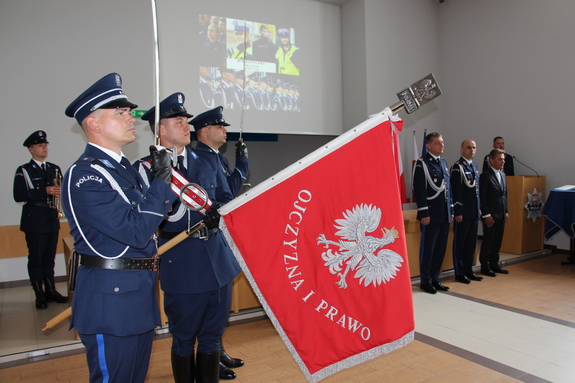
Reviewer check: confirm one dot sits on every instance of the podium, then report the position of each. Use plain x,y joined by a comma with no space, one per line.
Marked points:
524,229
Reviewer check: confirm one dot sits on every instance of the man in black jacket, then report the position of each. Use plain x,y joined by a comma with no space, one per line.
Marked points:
495,212
34,188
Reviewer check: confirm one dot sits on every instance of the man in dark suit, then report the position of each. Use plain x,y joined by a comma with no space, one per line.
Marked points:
113,216
508,168
495,212
465,191
432,191
34,188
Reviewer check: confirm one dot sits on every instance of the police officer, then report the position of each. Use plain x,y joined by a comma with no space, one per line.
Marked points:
34,187
225,93
113,216
210,127
464,178
434,210
211,133
264,48
197,273
508,168
287,55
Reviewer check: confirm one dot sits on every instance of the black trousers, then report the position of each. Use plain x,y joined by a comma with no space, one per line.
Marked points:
432,250
492,238
41,254
464,243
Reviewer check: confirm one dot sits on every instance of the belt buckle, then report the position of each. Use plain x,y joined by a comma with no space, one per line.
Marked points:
203,233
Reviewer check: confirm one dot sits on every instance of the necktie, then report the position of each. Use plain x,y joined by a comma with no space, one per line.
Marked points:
43,167
124,161
181,166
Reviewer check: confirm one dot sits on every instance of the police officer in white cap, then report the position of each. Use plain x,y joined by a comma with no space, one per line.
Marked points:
113,216
34,188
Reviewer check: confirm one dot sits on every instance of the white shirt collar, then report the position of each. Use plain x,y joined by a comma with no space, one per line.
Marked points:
111,153
38,162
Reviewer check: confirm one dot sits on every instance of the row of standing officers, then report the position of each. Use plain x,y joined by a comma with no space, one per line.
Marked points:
463,195
119,213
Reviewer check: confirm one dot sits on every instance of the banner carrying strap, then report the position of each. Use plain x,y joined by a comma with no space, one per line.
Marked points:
191,195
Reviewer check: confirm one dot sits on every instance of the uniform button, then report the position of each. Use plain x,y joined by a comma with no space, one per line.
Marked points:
134,203
166,202
170,261
116,289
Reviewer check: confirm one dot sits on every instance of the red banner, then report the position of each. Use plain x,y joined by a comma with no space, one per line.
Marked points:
323,246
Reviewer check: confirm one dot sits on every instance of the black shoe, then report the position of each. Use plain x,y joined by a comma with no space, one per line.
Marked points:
228,361
499,270
50,292
40,302
439,286
462,279
226,373
474,277
428,288
488,272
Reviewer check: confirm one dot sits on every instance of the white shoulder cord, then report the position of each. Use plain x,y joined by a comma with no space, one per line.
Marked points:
143,174
27,178
115,186
438,189
465,180
178,214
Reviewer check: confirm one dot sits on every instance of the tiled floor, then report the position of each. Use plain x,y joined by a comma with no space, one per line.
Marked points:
20,324
515,327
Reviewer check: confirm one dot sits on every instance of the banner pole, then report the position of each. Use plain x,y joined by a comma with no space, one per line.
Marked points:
156,74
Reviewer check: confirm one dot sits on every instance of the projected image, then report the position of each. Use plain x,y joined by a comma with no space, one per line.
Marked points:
248,65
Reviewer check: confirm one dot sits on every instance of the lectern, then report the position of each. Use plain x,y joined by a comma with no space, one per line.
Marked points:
524,230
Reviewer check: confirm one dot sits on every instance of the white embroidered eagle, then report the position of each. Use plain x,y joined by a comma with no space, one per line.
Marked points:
359,251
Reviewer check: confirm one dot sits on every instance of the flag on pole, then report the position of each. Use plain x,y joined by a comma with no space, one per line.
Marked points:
322,244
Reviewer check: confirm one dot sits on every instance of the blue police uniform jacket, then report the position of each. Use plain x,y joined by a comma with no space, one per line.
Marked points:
235,178
113,214
429,178
197,265
465,189
30,184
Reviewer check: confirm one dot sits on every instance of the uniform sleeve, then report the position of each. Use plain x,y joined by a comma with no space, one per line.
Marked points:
238,177
456,189
25,189
483,189
118,211
420,190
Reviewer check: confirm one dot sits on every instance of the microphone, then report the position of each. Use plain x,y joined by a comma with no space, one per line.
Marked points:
515,158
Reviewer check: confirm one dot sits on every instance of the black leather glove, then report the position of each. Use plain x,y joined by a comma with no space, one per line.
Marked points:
161,165
241,149
212,218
